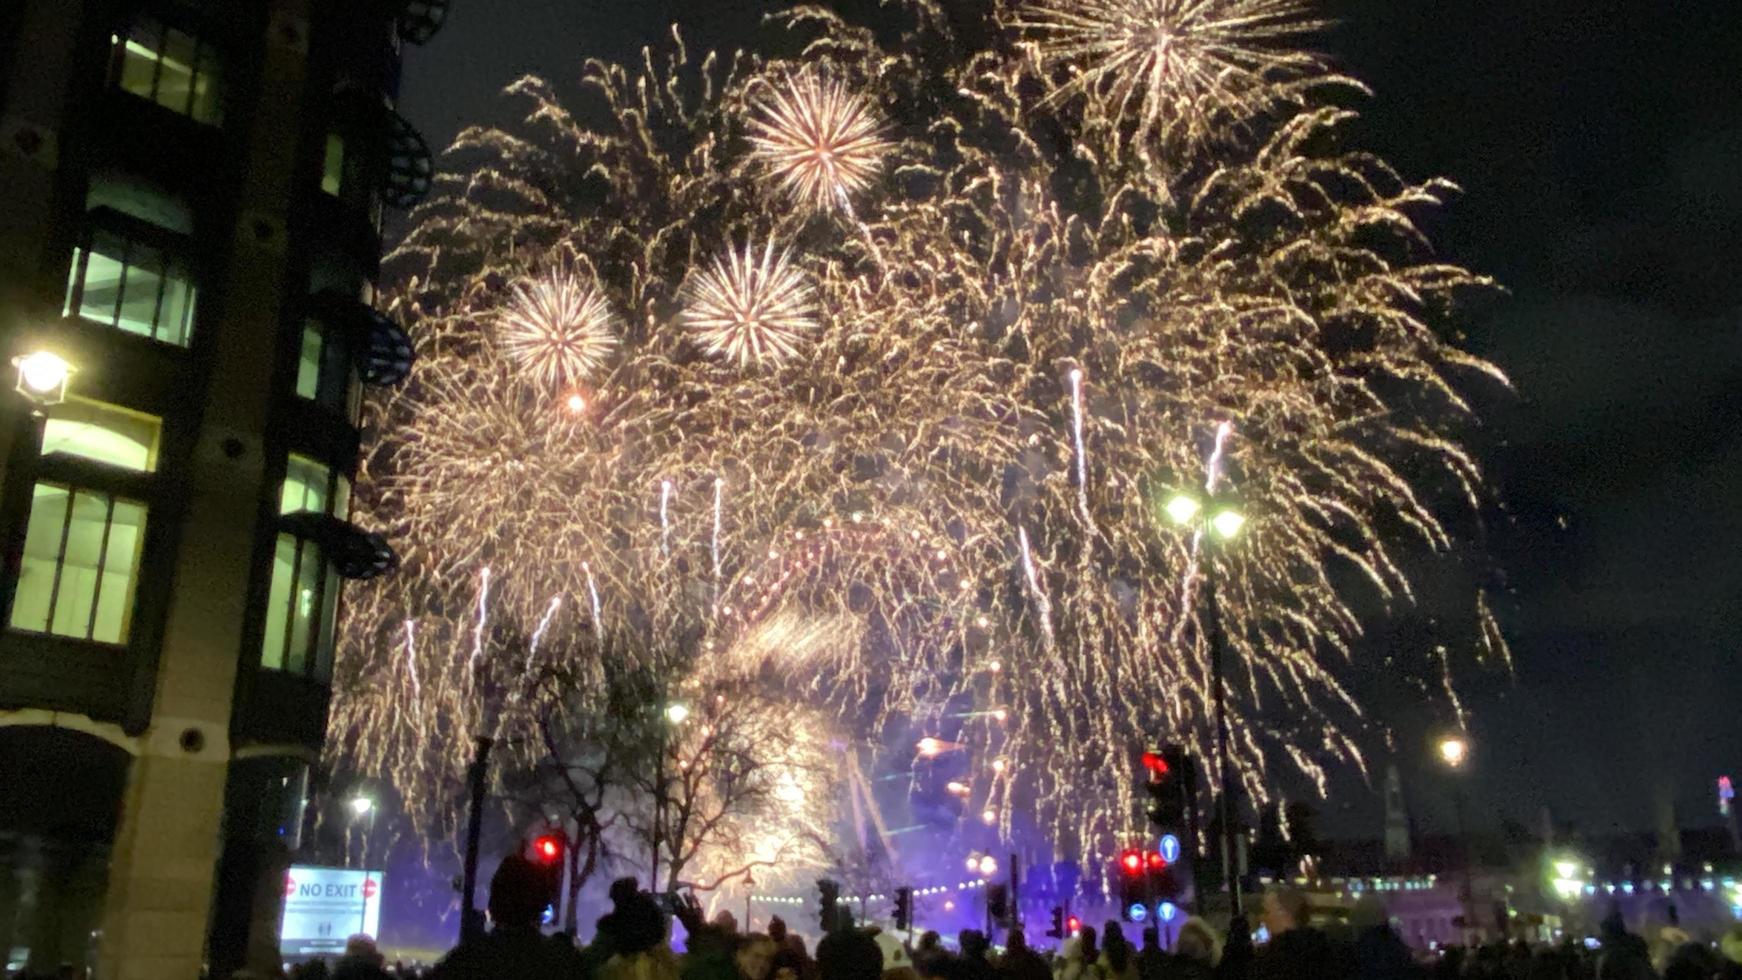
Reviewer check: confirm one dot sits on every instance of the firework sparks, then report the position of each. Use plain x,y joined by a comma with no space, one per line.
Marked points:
751,310
910,463
559,328
819,139
1172,68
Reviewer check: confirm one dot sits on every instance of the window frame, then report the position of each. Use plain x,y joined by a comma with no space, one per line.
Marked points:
315,660
112,497
177,256
207,65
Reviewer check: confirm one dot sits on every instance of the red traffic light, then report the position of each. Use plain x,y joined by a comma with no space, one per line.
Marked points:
547,848
1156,765
1132,862
1156,861
1073,925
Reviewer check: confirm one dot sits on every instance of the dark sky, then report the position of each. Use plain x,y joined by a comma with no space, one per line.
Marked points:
1599,144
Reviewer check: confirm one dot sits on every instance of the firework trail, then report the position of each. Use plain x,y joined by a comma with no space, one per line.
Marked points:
1143,192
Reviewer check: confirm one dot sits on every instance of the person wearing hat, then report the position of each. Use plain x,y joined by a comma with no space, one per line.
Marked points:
520,891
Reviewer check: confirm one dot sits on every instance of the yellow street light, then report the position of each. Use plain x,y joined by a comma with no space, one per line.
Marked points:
1454,751
677,713
43,377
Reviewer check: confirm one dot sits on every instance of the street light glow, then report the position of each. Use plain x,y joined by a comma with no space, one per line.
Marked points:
42,376
1183,508
361,805
1228,523
988,866
930,747
1454,750
677,713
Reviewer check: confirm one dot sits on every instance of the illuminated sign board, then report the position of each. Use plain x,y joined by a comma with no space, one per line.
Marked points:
325,906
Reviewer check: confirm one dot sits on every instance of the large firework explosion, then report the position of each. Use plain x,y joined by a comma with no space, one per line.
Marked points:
937,509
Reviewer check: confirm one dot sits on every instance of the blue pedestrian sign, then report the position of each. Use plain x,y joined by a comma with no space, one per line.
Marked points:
1169,848
1167,911
1138,911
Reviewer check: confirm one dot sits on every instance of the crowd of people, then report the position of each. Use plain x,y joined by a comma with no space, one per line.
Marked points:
633,942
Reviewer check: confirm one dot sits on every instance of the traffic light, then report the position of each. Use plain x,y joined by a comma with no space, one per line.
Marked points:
828,897
1168,787
1133,875
903,908
998,902
1073,926
1058,923
547,849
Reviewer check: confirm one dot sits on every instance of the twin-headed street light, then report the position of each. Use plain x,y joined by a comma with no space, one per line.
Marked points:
1217,519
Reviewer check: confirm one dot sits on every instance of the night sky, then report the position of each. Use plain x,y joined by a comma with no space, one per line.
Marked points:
1599,145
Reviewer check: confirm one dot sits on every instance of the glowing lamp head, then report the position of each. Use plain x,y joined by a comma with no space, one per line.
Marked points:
988,866
930,747
1454,751
1566,869
677,713
361,805
1183,508
957,787
999,765
1228,523
43,376
988,817
973,862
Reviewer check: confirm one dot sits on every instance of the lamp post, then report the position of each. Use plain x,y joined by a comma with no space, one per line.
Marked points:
1216,520
673,715
1454,753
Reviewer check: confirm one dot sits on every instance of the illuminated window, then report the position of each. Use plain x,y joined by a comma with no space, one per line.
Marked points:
81,564
169,67
131,286
107,434
302,603
324,373
303,598
313,486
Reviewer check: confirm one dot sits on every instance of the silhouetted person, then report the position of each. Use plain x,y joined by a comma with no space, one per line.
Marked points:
519,893
1080,959
849,955
1151,958
930,957
1379,953
1195,952
362,961
1020,962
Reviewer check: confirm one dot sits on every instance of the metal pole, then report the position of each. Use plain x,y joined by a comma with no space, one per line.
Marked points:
1230,871
1015,891
658,808
1464,846
471,919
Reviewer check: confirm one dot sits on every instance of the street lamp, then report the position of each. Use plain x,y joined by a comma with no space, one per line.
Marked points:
676,713
361,805
1454,751
42,377
1215,519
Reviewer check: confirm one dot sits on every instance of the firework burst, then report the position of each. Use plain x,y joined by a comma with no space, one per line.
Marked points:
1172,70
822,141
751,309
558,327
942,514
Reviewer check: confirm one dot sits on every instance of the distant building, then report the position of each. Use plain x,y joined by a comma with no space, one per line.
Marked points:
190,204
1396,817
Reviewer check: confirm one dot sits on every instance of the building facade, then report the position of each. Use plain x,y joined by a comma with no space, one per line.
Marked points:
191,197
